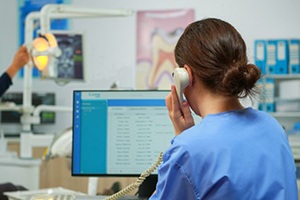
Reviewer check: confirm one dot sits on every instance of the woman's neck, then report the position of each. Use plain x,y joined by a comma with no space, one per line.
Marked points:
213,104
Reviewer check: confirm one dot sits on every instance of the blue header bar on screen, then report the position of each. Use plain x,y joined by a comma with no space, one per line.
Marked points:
136,102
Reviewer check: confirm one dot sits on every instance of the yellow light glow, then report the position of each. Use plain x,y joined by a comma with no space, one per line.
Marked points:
41,62
51,39
40,45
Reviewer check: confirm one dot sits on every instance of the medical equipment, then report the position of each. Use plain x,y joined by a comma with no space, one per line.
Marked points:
45,51
9,117
29,112
61,145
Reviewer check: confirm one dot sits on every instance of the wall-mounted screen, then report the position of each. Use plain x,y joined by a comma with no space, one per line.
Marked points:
69,66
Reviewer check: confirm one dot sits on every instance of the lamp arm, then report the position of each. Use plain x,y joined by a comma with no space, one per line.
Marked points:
27,81
95,11
45,19
10,106
73,12
40,108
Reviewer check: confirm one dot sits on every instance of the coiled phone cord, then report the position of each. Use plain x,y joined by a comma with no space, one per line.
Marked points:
138,182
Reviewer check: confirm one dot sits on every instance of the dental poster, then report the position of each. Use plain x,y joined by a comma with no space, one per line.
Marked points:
157,35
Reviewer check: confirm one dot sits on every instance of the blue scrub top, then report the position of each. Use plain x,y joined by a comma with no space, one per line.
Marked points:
232,155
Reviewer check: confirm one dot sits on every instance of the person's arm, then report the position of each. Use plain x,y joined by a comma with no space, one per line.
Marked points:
20,59
5,82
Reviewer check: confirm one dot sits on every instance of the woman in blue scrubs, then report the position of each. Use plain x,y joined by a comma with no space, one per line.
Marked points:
235,152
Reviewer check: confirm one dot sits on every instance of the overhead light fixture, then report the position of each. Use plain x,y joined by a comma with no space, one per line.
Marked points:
45,51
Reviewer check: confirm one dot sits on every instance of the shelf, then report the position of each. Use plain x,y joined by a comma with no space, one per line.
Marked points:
277,79
282,76
285,114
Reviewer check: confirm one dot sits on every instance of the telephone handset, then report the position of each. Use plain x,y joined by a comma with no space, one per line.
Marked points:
181,81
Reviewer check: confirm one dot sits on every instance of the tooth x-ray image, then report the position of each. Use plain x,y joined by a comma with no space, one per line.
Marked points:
65,61
70,65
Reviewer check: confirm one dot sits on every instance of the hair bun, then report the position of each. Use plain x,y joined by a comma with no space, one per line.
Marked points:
240,80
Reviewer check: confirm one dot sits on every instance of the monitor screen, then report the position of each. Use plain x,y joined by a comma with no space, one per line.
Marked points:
70,64
37,99
119,133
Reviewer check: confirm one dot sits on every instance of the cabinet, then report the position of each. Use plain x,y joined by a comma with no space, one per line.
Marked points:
287,119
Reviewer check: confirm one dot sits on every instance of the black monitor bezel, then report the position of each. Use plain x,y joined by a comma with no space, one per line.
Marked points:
108,175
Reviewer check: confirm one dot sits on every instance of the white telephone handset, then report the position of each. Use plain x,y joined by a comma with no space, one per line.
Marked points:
181,81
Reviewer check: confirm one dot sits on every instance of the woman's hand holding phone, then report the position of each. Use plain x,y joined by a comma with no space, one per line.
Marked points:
181,118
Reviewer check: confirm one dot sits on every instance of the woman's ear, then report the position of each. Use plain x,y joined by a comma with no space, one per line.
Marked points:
190,73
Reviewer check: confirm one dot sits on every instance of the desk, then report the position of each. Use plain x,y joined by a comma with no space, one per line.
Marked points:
61,193
56,173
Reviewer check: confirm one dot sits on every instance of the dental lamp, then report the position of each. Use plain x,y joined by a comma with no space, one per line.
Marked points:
44,51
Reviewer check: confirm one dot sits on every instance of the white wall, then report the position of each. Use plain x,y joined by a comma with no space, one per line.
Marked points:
111,43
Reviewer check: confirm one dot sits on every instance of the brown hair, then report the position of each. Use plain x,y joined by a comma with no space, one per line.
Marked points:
216,53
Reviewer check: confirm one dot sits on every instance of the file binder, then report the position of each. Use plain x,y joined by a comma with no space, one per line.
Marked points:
282,58
271,56
267,87
294,56
260,55
270,95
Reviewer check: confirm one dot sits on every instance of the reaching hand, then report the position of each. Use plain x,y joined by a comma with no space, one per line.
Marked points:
181,118
20,59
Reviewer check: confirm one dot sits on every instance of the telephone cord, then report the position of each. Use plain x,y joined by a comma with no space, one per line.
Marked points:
138,182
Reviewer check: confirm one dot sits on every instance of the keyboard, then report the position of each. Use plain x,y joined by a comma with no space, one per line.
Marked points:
127,197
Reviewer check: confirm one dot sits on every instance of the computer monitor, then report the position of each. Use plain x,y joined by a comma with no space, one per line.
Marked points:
119,133
13,117
70,64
